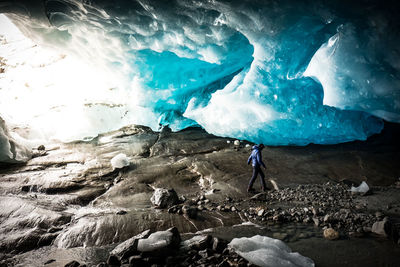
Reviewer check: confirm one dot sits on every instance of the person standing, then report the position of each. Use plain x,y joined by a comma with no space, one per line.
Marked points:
256,161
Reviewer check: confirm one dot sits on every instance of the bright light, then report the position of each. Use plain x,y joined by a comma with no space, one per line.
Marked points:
59,96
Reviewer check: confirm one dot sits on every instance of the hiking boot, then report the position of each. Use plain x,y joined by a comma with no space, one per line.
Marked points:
250,190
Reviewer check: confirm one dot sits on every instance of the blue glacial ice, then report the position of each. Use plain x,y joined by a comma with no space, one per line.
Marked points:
277,72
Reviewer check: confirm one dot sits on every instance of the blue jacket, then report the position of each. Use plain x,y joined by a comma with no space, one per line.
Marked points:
255,157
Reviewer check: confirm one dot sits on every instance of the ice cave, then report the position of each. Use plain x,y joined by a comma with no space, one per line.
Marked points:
133,133
277,72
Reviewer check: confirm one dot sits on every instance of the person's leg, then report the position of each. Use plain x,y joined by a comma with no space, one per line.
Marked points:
253,178
262,181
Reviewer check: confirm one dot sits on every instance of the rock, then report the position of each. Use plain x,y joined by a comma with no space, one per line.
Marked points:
163,198
277,218
236,143
316,221
382,228
331,234
72,264
129,247
121,212
113,261
136,260
199,242
49,261
191,212
175,209
219,245
260,213
160,243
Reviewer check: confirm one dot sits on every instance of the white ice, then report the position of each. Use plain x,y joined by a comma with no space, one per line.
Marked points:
268,252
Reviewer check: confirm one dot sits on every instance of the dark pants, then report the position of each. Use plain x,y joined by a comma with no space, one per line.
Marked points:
257,170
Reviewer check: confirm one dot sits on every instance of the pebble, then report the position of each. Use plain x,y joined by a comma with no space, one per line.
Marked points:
331,234
260,212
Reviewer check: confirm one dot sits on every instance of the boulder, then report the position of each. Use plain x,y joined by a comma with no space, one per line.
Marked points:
191,212
331,234
164,198
129,247
160,243
198,242
382,228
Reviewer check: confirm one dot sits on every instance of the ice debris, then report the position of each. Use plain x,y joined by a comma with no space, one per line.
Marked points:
266,251
362,188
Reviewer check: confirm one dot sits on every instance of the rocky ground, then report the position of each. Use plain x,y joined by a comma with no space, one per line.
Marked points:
69,204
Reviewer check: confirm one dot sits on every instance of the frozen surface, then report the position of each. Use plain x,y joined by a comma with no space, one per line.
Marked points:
277,72
268,252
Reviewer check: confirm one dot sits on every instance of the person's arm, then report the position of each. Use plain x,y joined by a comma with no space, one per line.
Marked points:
248,161
259,160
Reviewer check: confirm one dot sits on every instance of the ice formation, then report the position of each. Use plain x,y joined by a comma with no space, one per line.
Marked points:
277,72
267,252
10,150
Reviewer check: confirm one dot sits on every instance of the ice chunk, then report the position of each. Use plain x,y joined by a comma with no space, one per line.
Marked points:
120,161
268,252
362,188
12,151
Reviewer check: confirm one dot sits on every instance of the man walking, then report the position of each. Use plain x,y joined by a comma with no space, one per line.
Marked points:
256,161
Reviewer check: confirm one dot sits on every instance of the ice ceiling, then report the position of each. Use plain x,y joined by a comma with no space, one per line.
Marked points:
277,72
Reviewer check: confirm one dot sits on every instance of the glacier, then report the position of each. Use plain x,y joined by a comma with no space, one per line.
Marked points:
273,72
